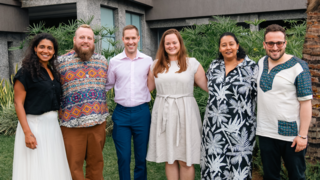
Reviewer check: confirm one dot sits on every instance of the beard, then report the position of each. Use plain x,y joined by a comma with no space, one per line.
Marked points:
84,55
275,59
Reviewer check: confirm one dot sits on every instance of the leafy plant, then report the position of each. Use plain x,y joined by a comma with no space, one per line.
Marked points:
8,120
64,34
111,106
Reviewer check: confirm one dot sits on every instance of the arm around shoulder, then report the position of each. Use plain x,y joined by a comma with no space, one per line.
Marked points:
151,83
200,78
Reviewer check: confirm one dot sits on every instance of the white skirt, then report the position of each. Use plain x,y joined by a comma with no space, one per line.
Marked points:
48,161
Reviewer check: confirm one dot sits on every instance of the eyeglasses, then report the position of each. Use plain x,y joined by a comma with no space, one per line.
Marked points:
279,44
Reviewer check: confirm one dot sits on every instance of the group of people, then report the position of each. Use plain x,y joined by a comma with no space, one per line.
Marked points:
271,99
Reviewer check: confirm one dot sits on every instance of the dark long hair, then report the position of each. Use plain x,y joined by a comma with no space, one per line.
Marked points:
163,58
240,55
31,61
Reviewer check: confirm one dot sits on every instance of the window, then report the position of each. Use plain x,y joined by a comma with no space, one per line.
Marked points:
107,20
135,20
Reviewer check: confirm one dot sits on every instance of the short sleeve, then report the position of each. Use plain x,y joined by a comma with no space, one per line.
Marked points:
194,63
303,84
22,77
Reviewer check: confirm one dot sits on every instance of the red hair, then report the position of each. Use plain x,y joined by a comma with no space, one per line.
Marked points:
162,55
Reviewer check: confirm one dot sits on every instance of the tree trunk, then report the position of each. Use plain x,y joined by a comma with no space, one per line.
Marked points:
311,54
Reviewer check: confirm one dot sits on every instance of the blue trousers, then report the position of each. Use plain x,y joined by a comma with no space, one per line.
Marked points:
131,122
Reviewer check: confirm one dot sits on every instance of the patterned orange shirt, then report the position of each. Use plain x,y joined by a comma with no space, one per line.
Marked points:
83,100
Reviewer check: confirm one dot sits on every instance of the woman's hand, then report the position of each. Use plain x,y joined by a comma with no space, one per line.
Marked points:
31,141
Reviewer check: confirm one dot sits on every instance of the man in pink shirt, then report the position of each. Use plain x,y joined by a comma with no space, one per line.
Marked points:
128,72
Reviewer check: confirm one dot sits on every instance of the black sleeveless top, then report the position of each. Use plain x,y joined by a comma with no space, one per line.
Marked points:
43,94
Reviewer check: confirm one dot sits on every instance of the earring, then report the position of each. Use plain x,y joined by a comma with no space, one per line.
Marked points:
237,51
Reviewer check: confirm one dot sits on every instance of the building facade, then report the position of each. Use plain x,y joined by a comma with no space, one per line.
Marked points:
152,17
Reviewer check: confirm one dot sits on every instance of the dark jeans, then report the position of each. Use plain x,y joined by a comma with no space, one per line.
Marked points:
131,122
271,152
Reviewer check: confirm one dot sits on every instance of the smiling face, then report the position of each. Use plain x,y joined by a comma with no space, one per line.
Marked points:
275,52
44,50
83,43
228,47
172,45
130,40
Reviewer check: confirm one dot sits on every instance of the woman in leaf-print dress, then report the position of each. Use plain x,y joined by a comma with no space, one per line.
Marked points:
228,133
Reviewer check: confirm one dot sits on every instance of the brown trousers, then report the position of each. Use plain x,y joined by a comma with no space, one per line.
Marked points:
85,144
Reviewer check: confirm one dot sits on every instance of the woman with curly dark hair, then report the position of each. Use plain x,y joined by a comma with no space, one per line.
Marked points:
228,132
39,152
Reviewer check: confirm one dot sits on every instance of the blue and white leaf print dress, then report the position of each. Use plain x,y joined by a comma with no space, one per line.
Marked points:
228,133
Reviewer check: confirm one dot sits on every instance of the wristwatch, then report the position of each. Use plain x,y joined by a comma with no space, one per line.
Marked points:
306,137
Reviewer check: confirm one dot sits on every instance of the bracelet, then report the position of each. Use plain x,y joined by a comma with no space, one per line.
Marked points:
302,136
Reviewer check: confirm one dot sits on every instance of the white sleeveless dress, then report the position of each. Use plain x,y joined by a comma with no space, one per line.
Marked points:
176,122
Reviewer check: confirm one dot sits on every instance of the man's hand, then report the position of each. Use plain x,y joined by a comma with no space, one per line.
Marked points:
301,143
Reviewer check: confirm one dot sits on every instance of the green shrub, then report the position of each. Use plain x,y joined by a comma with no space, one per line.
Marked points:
8,119
6,93
64,34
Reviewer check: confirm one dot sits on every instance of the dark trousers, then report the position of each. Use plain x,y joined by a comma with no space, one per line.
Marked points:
131,122
85,144
271,152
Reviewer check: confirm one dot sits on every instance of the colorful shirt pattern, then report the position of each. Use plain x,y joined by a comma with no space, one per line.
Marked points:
83,101
279,93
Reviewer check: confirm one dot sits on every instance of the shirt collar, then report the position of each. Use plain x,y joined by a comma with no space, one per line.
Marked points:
123,55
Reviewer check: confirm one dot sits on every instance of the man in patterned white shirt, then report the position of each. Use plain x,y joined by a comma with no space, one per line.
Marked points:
284,107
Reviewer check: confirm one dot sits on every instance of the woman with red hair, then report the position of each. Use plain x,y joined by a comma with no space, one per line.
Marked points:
176,122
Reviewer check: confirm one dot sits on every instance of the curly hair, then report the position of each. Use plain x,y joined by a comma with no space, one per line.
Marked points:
240,55
31,61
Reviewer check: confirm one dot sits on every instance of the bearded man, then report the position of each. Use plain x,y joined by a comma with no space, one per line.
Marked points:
83,109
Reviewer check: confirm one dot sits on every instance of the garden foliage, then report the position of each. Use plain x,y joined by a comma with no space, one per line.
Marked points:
8,116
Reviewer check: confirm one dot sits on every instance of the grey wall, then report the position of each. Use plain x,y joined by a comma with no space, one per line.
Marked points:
269,16
9,59
175,9
11,2
18,21
146,2
88,8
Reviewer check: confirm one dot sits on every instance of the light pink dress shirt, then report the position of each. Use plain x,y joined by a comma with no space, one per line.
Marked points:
129,78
